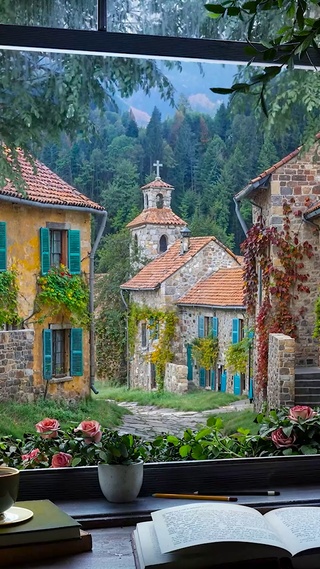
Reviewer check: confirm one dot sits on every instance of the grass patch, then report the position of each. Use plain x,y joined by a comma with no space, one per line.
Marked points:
19,418
193,401
235,419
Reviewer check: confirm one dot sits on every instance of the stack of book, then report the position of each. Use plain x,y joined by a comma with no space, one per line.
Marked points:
54,533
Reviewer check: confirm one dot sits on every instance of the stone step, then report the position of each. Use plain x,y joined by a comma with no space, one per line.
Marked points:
314,383
308,399
307,389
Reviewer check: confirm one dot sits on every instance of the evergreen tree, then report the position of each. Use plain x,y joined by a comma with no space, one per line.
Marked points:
153,141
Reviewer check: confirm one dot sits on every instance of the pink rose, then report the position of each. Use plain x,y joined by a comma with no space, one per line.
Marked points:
91,430
32,455
61,459
48,428
301,412
280,439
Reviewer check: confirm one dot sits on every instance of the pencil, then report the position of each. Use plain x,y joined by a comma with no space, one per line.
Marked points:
254,493
197,497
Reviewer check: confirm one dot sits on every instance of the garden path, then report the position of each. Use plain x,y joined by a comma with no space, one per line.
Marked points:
149,421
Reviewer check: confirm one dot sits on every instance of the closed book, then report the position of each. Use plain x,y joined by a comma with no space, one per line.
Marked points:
17,555
49,523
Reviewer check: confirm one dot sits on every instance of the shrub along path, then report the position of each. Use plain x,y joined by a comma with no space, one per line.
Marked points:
150,421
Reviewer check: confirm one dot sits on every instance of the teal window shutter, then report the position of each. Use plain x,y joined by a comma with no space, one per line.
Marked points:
201,326
76,352
47,353
74,251
213,379
202,377
44,250
3,246
235,330
215,327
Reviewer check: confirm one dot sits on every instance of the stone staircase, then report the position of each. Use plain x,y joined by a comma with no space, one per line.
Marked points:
307,386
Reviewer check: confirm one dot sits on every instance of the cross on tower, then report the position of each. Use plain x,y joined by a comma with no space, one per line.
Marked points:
158,166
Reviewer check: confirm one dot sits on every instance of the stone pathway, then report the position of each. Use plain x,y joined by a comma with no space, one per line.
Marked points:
150,421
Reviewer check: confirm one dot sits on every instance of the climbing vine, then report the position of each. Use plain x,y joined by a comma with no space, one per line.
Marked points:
205,351
237,354
162,331
61,291
281,276
8,297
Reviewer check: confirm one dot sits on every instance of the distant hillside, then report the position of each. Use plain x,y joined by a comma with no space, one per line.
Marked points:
193,82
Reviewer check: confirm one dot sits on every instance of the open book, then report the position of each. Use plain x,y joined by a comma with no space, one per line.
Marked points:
204,535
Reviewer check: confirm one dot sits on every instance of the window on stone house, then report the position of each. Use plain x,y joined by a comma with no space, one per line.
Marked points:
207,325
163,244
59,245
159,201
143,335
153,382
59,352
62,352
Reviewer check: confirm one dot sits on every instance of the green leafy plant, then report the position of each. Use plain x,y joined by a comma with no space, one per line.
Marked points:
8,297
237,355
205,351
62,292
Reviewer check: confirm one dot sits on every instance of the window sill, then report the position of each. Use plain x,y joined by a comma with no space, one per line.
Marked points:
61,379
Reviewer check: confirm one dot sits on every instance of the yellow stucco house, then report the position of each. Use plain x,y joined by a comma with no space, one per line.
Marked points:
46,276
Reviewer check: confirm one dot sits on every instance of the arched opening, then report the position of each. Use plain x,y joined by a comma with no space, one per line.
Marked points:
159,201
163,243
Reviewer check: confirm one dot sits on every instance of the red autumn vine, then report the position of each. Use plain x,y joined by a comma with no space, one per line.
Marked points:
275,259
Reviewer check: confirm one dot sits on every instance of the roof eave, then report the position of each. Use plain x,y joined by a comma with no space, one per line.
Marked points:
312,214
251,188
221,306
140,289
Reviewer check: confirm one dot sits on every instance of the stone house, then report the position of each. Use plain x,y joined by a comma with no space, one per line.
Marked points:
46,225
293,364
159,286
215,306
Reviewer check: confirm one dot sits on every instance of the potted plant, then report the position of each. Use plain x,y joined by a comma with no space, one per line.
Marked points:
121,475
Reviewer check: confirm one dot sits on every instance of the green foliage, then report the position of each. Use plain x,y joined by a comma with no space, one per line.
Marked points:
316,332
205,351
287,431
164,322
237,354
8,297
61,291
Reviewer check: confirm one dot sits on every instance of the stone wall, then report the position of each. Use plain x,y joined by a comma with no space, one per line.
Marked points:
176,378
16,366
148,238
281,371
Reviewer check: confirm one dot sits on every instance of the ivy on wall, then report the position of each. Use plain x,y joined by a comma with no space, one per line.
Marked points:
161,324
237,355
8,298
279,256
62,292
205,351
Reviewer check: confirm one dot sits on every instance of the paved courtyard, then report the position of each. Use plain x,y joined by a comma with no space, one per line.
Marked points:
149,421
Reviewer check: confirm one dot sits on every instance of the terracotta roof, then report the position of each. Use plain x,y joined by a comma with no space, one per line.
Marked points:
157,183
313,209
157,216
222,288
255,181
45,187
161,268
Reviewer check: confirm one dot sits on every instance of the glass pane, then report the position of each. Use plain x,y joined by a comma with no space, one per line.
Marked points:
73,14
184,18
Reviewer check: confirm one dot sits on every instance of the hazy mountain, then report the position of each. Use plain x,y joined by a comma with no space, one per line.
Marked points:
193,82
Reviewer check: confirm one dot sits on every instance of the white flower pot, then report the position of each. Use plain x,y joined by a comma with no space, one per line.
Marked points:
120,482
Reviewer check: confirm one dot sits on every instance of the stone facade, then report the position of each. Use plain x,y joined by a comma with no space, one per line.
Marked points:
16,366
281,371
147,238
298,179
176,379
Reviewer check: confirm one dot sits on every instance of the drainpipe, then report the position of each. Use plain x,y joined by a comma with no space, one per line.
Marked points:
91,299
92,211
239,216
127,338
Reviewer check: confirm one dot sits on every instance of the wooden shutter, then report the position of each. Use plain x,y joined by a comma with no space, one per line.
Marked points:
44,250
76,352
237,384
74,251
189,362
202,377
223,386
201,326
47,353
215,326
3,246
213,379
235,330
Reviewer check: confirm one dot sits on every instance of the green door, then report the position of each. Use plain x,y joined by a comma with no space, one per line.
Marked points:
189,362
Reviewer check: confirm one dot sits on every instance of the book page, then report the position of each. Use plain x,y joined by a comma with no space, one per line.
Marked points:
190,525
298,527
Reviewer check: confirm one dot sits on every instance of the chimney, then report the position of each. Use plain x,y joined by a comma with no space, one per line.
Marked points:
185,240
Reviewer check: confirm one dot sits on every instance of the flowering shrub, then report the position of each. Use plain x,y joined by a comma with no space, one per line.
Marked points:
61,291
283,432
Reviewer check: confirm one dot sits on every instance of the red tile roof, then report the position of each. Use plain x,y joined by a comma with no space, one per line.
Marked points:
161,268
313,208
223,288
157,183
157,216
45,187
